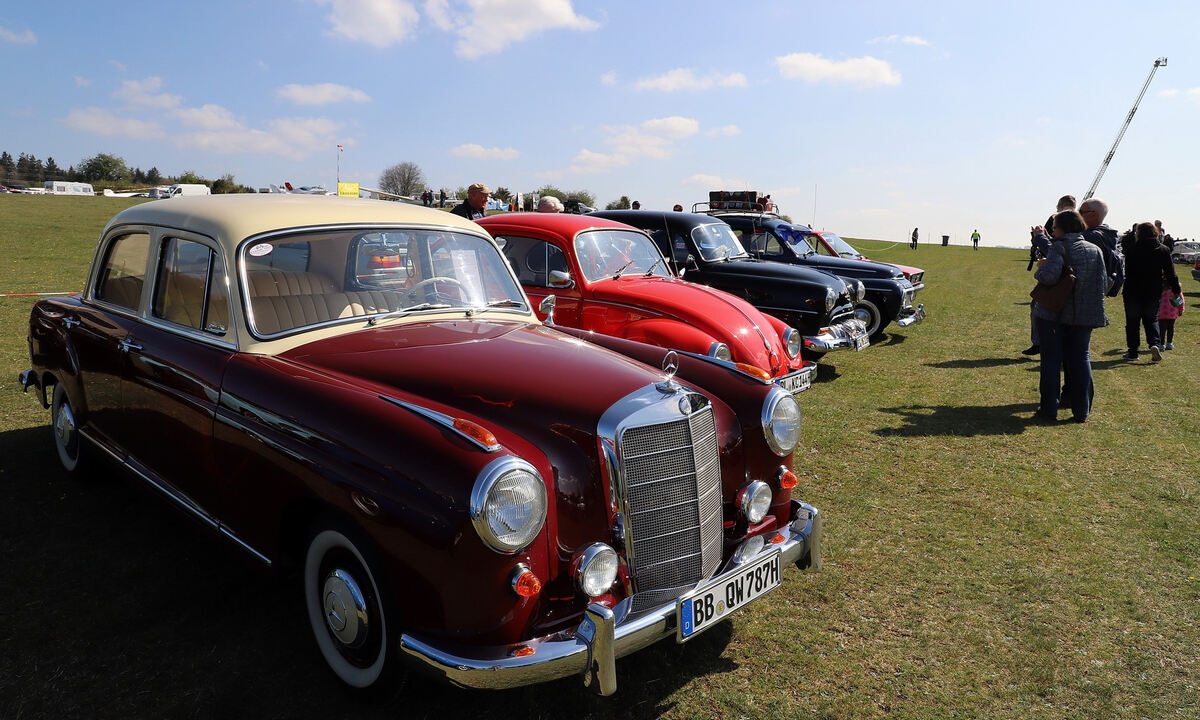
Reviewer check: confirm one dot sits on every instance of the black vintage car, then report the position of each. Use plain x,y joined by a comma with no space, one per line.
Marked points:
889,296
705,250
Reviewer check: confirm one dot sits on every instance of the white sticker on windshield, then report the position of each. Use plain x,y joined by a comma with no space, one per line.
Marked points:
261,249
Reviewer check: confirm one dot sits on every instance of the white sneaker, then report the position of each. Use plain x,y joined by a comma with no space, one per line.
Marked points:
1155,353
1169,346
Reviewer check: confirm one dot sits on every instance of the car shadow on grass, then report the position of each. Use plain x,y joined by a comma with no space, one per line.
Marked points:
965,421
124,607
980,363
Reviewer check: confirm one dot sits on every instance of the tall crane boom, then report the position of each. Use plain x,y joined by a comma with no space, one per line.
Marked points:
1160,62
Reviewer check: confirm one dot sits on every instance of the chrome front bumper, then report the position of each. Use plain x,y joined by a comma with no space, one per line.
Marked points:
841,336
918,314
604,635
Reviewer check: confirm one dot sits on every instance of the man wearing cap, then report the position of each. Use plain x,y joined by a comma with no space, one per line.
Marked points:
473,207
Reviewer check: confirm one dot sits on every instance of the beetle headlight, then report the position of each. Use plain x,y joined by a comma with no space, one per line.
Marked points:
720,351
830,299
595,569
754,501
508,504
860,291
792,341
781,421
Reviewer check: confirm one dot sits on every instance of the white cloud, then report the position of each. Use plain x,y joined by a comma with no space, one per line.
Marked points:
590,163
208,117
863,71
608,78
488,26
321,94
292,138
1169,92
99,121
380,23
479,152
145,92
18,38
81,81
903,39
674,127
724,131
118,65
687,79
714,182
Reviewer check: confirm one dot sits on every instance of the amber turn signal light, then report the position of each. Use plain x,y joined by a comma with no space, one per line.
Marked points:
755,371
525,583
477,432
787,479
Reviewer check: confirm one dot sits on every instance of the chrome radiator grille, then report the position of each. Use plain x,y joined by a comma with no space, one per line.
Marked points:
672,492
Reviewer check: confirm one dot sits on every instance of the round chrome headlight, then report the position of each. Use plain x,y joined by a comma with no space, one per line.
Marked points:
720,351
792,340
781,421
754,501
508,504
860,291
595,569
830,299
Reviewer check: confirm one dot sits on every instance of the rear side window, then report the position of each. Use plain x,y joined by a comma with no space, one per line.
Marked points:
190,287
124,271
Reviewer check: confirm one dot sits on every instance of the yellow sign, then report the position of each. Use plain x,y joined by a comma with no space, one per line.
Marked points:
347,189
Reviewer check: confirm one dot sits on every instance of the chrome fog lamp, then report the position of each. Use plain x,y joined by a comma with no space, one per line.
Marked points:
749,549
860,291
754,501
781,421
508,504
830,299
792,339
720,351
595,569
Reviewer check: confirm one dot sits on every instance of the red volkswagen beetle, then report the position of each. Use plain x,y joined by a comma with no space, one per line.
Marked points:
609,278
360,389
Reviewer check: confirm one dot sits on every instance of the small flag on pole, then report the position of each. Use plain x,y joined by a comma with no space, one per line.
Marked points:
340,148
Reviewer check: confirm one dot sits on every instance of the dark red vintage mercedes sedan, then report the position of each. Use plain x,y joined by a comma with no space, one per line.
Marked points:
610,278
361,390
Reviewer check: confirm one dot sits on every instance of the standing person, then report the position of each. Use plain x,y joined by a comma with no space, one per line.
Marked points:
1147,265
1169,309
1039,245
913,244
637,205
442,200
549,204
1066,334
473,208
975,238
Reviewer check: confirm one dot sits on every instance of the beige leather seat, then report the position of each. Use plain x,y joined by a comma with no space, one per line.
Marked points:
282,300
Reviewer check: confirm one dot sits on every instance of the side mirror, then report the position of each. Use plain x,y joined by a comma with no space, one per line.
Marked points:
690,264
546,307
560,279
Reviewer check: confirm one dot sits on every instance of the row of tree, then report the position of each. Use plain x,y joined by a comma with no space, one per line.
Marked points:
408,179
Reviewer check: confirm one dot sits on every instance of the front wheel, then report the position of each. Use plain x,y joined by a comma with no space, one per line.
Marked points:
869,313
346,608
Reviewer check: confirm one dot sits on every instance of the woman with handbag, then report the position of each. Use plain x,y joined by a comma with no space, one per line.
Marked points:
1066,316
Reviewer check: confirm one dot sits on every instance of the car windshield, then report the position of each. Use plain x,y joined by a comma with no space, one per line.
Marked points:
797,238
316,278
612,253
840,246
716,241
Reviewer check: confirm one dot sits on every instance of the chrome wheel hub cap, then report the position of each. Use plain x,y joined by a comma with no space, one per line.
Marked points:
64,426
345,608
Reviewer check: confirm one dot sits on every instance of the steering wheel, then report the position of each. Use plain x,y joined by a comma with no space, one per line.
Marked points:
432,282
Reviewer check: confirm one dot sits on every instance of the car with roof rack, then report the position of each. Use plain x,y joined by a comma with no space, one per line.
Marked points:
360,389
703,249
610,278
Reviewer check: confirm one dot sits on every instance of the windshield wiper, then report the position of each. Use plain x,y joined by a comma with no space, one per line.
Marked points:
621,269
651,270
376,319
509,303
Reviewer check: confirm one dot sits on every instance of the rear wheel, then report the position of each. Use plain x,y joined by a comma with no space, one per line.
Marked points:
66,431
347,611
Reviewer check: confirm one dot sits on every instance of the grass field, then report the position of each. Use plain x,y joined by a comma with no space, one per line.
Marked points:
976,566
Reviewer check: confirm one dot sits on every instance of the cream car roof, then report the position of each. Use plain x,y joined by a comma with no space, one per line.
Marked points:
231,219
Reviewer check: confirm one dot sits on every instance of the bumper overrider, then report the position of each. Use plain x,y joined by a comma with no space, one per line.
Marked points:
605,633
846,335
915,315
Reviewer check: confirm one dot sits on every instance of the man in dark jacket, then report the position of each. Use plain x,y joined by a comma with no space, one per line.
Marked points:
1094,210
476,203
1147,267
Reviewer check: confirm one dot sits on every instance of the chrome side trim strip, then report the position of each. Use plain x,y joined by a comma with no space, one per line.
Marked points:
443,420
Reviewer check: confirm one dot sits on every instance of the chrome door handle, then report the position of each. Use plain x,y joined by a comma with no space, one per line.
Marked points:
126,345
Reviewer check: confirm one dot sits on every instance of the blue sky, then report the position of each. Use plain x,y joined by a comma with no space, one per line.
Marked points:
868,117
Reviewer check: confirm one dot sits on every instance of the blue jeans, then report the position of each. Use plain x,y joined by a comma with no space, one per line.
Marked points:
1065,349
1144,310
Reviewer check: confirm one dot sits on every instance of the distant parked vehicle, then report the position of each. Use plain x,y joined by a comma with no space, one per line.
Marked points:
187,189
59,187
1185,252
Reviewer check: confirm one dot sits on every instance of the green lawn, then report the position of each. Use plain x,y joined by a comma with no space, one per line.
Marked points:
976,565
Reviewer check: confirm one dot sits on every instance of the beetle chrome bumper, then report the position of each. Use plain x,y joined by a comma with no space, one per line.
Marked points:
604,635
842,336
918,314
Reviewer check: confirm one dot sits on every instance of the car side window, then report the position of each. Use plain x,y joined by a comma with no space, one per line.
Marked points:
124,271
533,259
190,287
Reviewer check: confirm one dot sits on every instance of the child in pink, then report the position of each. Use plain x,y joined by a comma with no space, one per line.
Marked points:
1169,308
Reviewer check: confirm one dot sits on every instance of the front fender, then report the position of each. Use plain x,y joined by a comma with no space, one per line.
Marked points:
670,334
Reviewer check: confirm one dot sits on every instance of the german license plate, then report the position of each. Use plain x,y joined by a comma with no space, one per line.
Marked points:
797,382
716,601
862,342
